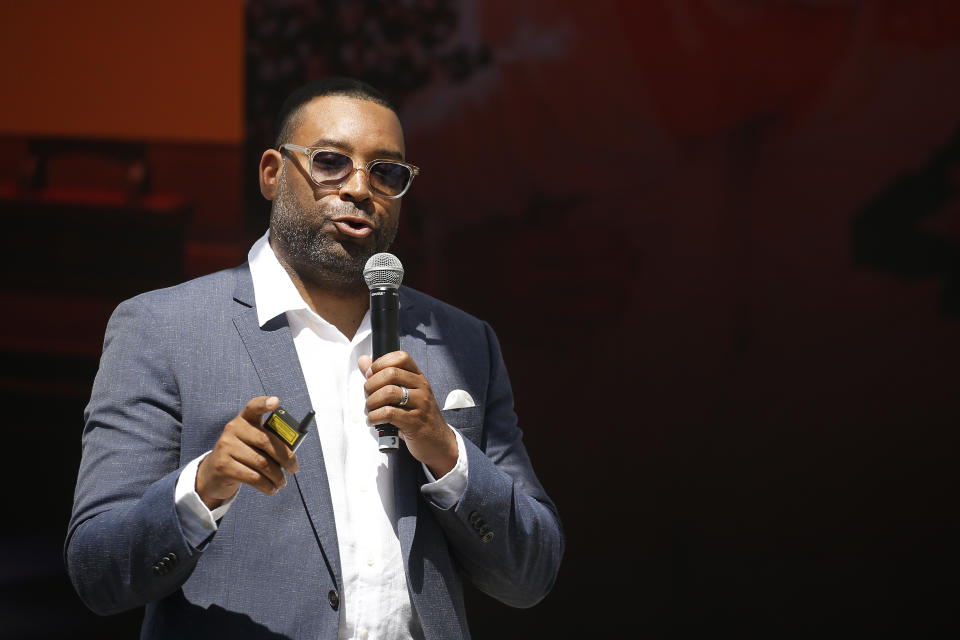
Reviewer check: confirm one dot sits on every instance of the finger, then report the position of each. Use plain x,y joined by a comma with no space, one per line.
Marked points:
257,407
259,438
391,395
364,363
282,453
398,359
246,475
258,461
394,376
270,445
389,414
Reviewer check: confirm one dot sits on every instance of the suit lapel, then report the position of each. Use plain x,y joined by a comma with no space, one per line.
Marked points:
275,359
407,472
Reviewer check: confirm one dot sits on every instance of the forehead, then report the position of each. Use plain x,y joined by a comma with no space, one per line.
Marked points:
352,124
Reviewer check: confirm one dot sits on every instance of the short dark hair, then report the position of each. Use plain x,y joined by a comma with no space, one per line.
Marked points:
288,118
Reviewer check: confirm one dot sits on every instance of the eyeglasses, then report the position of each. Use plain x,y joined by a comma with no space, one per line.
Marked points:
332,169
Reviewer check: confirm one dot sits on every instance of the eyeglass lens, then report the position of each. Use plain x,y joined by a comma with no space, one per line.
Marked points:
389,178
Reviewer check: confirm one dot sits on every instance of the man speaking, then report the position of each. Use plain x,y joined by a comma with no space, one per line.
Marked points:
187,504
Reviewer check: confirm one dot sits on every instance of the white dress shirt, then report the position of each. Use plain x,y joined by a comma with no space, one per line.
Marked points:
375,602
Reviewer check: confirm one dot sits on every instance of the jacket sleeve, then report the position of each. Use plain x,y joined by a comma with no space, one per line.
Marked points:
504,531
124,543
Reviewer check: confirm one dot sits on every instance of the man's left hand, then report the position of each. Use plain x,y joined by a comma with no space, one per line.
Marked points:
420,423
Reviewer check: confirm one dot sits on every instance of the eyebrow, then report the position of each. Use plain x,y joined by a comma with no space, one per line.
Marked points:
345,146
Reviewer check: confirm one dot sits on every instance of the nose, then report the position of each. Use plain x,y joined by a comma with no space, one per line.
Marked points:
356,188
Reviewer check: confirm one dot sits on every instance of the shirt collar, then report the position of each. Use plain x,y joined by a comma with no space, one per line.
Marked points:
273,289
275,292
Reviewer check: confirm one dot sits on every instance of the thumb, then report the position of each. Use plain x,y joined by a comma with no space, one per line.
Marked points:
257,407
365,363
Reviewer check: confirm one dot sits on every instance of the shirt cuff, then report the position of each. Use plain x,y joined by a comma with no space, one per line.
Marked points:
197,521
447,491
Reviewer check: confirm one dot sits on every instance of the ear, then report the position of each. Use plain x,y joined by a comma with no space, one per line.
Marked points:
271,166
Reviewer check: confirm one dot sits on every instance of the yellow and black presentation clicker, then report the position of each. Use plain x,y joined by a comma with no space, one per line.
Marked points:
287,428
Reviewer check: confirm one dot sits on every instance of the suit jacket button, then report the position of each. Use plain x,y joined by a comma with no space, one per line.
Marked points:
487,537
171,558
334,599
484,530
156,570
474,518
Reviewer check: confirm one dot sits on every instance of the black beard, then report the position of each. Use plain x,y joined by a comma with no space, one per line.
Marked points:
312,253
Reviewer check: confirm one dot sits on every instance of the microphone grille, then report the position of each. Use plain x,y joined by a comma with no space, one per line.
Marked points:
383,270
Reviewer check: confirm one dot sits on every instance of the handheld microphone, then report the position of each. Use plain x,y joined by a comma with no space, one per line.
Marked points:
383,274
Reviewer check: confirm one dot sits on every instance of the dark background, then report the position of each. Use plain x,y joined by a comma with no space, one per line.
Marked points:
718,241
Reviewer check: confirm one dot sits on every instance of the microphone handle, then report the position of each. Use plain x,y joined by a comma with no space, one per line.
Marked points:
385,336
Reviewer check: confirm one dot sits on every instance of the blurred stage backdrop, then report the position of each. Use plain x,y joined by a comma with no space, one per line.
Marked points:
719,240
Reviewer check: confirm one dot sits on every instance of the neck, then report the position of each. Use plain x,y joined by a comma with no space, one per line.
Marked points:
345,312
341,305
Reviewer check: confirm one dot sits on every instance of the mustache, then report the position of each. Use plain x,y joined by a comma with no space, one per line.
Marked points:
350,211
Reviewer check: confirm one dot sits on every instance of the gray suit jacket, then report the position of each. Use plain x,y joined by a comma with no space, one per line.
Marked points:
177,365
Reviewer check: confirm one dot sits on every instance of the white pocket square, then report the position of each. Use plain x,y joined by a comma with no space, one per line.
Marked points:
458,399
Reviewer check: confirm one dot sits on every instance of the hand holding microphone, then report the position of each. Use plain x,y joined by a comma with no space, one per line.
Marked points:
383,274
399,395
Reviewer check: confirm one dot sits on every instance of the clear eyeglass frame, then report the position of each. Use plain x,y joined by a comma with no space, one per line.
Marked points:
310,152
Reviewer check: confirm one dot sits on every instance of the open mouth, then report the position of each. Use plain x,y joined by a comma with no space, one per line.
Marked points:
353,227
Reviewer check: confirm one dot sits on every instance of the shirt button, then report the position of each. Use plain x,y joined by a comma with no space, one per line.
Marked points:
364,633
370,559
334,599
